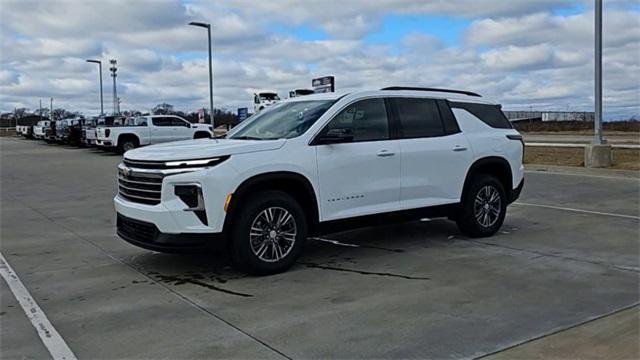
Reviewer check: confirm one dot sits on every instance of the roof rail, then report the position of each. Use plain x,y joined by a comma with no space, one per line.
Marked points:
396,88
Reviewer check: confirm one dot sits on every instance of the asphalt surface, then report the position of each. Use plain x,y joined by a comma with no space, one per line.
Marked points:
568,253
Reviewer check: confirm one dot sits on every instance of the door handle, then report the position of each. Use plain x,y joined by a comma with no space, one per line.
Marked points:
385,153
459,148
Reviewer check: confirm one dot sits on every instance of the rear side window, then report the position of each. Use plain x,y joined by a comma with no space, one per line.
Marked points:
418,117
489,114
448,119
162,121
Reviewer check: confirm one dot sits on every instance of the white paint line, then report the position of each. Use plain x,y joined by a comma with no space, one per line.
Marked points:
335,242
50,337
579,210
570,145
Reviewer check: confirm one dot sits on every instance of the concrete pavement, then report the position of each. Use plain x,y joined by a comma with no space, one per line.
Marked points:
419,290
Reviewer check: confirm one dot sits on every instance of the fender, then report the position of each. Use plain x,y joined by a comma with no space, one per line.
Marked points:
493,165
126,135
290,182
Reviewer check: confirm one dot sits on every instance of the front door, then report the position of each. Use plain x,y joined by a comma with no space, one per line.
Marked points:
162,130
360,175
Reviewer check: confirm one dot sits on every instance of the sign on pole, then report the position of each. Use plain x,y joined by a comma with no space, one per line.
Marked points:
242,114
201,116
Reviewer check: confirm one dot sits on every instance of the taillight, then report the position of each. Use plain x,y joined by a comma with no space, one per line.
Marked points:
519,138
107,132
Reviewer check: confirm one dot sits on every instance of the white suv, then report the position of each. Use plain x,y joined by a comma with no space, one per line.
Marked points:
322,163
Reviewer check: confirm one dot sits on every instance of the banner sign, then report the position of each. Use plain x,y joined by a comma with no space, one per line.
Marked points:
324,84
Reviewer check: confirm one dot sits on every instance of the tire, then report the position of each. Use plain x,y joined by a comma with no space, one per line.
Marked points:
481,213
257,252
126,144
201,135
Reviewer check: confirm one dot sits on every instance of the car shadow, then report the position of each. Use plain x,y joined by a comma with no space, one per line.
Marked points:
338,251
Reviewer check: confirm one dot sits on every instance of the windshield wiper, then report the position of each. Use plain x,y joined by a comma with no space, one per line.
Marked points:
246,138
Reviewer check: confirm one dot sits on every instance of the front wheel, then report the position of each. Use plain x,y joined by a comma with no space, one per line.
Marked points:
126,145
483,208
268,234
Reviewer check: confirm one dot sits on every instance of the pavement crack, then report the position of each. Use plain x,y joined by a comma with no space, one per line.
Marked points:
178,280
362,272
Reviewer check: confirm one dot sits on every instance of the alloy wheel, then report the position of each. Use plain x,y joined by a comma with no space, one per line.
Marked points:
487,206
273,234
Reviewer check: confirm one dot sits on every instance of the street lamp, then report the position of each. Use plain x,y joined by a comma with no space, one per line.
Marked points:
100,69
208,27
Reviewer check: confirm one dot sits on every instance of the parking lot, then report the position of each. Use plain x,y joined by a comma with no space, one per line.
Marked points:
567,254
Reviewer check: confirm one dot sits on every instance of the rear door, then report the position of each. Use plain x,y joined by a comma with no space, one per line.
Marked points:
361,176
435,154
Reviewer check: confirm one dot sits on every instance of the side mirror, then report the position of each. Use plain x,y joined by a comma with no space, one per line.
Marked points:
336,136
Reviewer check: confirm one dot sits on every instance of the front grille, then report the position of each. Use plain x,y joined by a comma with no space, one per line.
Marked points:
136,230
144,188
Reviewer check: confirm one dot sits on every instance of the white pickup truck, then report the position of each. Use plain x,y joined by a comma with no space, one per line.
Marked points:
147,130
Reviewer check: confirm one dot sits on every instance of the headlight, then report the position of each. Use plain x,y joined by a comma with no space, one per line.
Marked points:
196,162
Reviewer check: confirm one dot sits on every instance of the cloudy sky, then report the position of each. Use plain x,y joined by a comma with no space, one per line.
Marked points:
523,53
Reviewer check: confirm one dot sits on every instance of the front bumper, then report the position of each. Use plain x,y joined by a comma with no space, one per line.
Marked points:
147,236
514,194
104,143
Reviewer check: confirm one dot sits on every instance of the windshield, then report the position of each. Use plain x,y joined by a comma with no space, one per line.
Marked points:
282,121
269,97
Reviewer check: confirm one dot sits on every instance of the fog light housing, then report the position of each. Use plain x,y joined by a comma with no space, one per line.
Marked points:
191,195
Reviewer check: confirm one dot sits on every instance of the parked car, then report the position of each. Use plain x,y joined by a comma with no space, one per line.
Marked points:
63,129
146,130
263,100
321,163
40,128
72,132
88,132
300,92
51,132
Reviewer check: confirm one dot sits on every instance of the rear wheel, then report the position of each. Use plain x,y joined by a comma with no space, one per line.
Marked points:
483,207
268,234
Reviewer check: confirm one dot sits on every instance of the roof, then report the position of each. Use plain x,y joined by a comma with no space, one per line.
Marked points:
412,93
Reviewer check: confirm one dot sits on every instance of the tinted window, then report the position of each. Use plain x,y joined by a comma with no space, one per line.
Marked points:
448,119
418,117
489,114
367,119
161,121
178,122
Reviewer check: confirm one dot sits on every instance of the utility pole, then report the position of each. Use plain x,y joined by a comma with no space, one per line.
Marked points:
114,74
39,110
51,109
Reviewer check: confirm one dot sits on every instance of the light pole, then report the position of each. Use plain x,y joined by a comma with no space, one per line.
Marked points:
208,27
114,74
598,89
100,69
598,153
51,109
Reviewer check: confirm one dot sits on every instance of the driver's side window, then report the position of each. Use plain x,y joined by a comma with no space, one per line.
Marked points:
365,119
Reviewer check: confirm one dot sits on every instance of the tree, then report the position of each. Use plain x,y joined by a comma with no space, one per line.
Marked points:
163,109
20,113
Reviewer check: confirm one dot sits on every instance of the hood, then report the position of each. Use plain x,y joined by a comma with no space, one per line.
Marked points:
201,148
